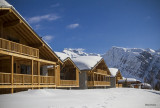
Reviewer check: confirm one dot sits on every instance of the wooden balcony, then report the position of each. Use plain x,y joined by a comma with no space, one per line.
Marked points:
47,80
25,79
118,85
68,83
98,83
99,71
14,47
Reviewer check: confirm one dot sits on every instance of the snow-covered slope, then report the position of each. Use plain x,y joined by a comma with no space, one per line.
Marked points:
88,98
142,64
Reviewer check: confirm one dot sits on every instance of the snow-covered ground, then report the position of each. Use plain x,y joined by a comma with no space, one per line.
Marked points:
89,98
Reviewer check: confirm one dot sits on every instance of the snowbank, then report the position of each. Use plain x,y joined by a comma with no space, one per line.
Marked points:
89,98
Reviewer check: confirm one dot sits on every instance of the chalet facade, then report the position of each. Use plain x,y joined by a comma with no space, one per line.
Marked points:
94,72
129,82
115,77
24,56
69,72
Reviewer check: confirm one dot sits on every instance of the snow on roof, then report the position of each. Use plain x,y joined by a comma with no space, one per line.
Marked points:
86,62
62,56
4,3
128,80
113,71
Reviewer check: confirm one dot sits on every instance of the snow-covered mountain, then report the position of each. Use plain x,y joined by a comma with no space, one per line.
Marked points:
77,52
142,64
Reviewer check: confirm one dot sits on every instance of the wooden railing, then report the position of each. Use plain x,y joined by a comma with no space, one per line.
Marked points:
90,83
35,79
68,82
98,83
99,71
118,85
24,79
5,78
47,80
18,48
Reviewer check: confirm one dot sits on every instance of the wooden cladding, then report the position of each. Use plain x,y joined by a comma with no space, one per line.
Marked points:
119,85
98,83
24,79
99,71
47,80
18,48
5,78
68,82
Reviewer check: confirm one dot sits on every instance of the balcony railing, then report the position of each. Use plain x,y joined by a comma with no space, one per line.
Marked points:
99,71
47,80
98,83
18,48
24,79
118,85
5,78
68,82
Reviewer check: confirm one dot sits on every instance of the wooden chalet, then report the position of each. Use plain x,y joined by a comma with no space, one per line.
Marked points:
24,56
128,82
115,77
94,72
69,72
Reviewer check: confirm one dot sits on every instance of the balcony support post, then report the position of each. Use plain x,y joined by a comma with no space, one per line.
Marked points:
1,28
32,71
12,72
38,67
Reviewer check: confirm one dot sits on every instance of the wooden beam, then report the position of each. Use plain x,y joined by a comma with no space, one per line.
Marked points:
37,45
25,86
1,28
12,72
4,57
12,90
77,77
11,23
26,57
32,70
38,68
4,13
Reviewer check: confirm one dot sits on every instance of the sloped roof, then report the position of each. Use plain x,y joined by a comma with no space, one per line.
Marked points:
64,57
113,71
61,55
4,3
86,62
128,80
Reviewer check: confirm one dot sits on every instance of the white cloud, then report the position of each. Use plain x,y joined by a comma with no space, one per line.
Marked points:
73,26
38,26
48,38
49,17
55,5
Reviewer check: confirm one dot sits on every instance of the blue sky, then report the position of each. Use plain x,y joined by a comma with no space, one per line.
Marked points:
94,25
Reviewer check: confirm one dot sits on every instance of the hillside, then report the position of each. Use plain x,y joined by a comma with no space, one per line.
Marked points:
142,64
